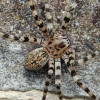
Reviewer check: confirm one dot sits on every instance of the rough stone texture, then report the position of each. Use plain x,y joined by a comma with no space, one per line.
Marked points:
32,95
84,29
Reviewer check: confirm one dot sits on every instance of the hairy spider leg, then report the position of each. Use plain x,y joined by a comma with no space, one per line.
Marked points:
67,15
88,57
48,79
22,38
59,92
74,75
49,19
47,31
58,77
39,22
66,20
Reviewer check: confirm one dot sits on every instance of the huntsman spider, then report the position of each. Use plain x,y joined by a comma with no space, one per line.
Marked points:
56,45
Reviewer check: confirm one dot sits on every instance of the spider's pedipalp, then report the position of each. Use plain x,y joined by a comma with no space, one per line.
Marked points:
48,79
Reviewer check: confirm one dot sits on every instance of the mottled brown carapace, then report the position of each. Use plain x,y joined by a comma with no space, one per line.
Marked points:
57,45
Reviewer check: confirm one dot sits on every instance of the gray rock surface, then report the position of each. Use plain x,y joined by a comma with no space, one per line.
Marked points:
32,95
15,18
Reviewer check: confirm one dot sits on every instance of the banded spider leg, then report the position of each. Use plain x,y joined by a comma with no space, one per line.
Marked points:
40,22
48,79
69,60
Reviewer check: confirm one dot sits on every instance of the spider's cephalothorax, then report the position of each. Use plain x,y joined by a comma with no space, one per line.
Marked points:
55,46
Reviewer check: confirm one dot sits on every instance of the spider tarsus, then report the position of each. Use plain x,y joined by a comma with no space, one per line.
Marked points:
90,56
58,90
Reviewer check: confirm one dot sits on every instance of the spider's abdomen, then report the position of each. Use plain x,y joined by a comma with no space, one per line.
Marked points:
57,45
36,59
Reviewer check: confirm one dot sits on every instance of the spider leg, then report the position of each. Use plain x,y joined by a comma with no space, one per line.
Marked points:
65,58
66,20
39,22
58,77
21,38
48,79
90,56
49,19
67,15
74,75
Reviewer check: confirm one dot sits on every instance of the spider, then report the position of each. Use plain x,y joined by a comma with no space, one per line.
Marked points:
56,45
